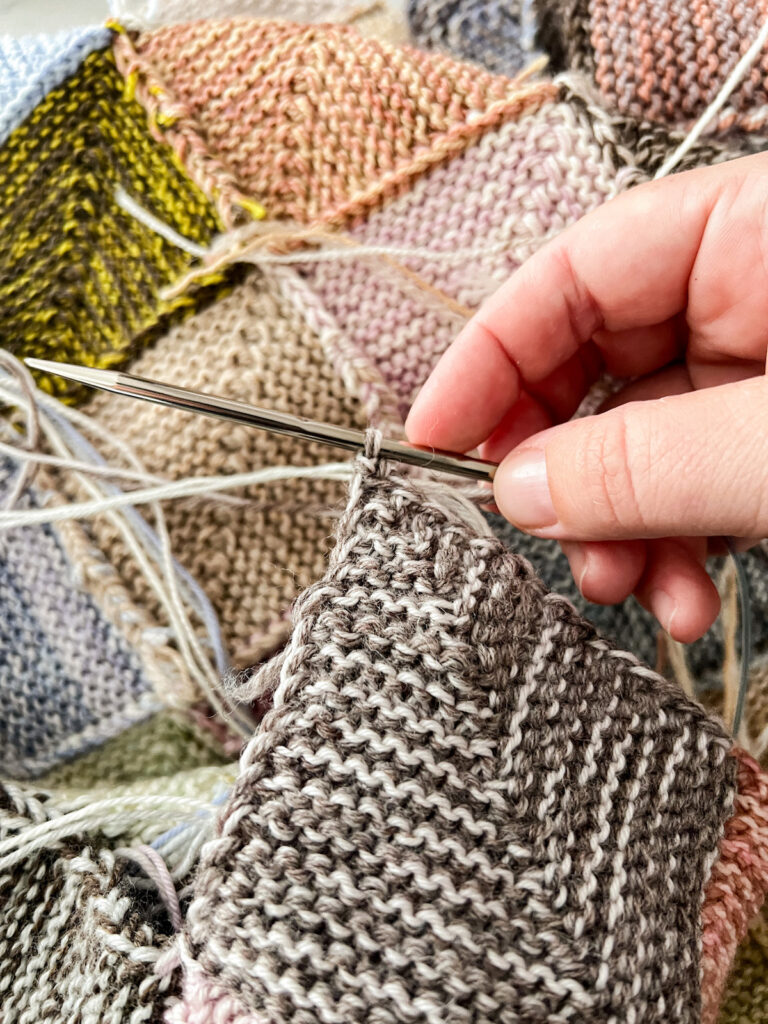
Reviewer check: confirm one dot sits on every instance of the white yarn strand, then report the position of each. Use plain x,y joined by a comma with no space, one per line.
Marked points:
175,489
741,69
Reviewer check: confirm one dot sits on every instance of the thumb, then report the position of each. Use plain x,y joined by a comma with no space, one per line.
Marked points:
688,465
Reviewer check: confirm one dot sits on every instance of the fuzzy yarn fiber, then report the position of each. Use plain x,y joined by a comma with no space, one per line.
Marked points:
464,796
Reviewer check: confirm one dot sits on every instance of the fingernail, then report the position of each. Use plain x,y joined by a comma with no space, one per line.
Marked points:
664,608
522,490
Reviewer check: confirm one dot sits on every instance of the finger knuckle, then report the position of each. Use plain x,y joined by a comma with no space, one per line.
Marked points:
615,469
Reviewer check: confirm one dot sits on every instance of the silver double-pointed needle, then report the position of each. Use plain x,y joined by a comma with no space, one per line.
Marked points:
266,419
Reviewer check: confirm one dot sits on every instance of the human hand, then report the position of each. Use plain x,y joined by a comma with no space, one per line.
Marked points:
667,284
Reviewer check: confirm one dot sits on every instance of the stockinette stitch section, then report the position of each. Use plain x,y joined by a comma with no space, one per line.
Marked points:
69,678
463,807
315,123
79,278
33,65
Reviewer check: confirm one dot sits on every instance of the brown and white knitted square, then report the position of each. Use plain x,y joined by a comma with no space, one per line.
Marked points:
463,807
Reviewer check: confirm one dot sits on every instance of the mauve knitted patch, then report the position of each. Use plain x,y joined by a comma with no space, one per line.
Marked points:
463,807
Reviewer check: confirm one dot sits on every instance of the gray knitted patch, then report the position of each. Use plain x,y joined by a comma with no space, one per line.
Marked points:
464,806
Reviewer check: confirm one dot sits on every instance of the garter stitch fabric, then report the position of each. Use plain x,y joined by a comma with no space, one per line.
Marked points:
463,806
516,188
166,744
484,31
746,998
68,677
370,17
251,560
33,65
79,278
315,123
653,62
738,884
76,945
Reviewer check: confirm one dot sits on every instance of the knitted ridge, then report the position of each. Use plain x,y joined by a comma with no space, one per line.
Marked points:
485,31
79,278
251,559
632,627
314,123
658,62
33,65
746,997
464,806
738,885
518,187
76,944
371,17
166,744
68,677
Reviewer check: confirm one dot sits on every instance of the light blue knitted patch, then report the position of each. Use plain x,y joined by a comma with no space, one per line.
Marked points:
69,679
31,66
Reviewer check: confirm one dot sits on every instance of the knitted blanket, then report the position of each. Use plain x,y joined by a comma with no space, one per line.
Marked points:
461,793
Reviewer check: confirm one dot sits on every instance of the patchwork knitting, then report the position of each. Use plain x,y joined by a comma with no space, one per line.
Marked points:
77,945
324,147
163,746
652,62
419,830
370,17
483,31
465,803
68,677
746,1000
254,558
80,280
33,65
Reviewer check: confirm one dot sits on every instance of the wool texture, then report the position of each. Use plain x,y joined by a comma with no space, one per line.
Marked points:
419,830
69,678
313,123
164,745
252,559
461,800
746,998
79,278
483,31
76,945
33,65
370,17
738,883
663,63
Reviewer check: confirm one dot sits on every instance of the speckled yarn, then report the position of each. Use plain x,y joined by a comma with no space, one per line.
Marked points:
652,62
79,278
33,65
253,559
313,123
76,944
464,807
488,32
69,678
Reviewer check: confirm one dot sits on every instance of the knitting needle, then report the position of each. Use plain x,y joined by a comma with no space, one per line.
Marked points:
266,419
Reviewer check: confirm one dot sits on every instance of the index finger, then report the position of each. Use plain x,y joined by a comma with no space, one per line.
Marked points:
625,265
